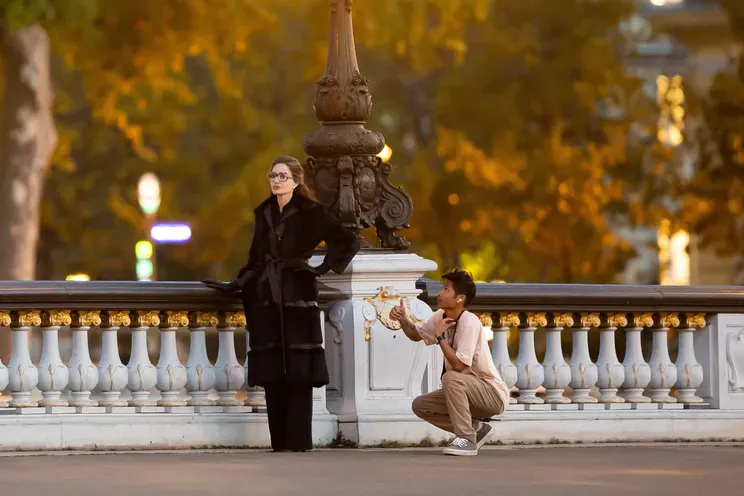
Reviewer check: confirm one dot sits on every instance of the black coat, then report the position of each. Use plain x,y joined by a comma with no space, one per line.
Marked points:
280,290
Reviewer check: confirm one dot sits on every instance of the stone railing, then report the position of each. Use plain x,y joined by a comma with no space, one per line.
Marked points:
110,392
704,320
586,363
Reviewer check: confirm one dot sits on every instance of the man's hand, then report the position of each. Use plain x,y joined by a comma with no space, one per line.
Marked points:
399,313
444,325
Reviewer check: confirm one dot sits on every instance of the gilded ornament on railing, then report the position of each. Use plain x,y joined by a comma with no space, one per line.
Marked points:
384,301
175,319
695,320
485,318
26,318
641,320
56,318
147,318
86,318
537,319
617,320
116,318
368,329
589,320
203,319
232,320
509,319
563,320
669,320
5,319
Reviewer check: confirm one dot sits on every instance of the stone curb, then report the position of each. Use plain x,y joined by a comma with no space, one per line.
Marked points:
723,444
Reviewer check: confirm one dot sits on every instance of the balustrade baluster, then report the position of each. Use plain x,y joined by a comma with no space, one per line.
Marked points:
200,373
663,371
171,373
583,370
254,396
4,378
689,371
112,374
637,371
610,372
556,370
53,373
141,373
83,374
500,350
22,373
230,374
529,371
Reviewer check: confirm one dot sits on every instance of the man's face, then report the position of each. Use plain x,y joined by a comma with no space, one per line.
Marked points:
447,299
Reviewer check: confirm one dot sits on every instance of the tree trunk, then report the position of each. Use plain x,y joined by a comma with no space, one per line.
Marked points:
27,140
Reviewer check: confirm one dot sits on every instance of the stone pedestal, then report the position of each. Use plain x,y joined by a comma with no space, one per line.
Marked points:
376,371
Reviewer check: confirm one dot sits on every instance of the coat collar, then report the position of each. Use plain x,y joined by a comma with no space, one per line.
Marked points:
297,203
297,200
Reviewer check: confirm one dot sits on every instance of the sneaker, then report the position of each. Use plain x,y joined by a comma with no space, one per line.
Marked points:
483,434
461,447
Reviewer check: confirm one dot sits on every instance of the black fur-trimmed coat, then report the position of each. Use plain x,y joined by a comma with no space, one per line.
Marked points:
280,290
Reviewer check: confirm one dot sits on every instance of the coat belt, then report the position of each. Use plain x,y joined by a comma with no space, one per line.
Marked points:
273,271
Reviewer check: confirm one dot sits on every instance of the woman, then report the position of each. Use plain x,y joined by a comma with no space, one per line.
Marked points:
280,296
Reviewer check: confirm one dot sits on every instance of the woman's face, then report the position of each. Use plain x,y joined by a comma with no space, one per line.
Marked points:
281,180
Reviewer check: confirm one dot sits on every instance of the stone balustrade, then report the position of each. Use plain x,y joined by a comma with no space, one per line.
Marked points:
127,364
577,379
169,386
634,383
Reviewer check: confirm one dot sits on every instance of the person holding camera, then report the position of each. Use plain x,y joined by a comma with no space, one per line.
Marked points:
472,388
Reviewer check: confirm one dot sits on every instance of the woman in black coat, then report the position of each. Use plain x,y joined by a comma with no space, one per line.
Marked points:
280,297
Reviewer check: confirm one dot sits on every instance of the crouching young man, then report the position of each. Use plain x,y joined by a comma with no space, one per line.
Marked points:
472,388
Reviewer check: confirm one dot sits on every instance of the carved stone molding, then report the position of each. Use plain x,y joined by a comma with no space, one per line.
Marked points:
735,360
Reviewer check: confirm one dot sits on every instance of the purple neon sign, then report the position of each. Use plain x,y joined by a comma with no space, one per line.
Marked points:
170,232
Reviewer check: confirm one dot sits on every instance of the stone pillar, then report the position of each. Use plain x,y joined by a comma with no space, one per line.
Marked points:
663,371
376,371
53,374
530,374
23,373
557,372
500,350
610,372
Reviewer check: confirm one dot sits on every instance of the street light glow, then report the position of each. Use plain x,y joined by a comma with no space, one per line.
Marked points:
78,277
143,249
385,154
171,232
148,193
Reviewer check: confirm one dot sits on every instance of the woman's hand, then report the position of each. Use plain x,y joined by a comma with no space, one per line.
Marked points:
228,287
317,271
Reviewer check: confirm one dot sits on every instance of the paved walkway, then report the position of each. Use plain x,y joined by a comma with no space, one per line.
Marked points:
625,470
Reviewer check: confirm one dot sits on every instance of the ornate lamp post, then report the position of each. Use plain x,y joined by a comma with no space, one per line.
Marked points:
344,171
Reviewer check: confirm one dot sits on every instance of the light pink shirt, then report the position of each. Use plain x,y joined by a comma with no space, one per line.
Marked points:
471,347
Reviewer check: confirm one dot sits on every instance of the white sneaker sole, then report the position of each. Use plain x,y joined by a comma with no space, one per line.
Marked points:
486,438
458,452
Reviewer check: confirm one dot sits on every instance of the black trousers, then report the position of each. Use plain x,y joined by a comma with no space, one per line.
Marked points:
290,411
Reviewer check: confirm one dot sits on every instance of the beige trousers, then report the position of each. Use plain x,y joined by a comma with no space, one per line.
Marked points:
456,407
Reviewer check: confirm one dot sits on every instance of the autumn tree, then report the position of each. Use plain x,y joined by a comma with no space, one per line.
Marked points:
523,162
502,117
122,60
714,195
